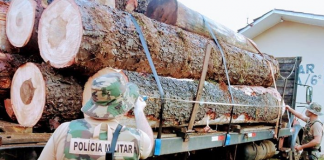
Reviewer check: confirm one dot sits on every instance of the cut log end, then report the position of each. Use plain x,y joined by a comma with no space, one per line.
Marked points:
27,91
163,11
20,21
60,31
28,94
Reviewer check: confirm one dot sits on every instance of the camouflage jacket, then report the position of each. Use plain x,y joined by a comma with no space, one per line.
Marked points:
307,135
82,143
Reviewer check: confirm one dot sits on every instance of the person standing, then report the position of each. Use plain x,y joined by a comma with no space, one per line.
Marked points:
312,132
91,137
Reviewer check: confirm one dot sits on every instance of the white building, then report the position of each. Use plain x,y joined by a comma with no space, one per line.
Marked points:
283,33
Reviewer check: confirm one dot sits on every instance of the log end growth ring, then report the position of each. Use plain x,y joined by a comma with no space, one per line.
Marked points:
20,21
28,94
60,32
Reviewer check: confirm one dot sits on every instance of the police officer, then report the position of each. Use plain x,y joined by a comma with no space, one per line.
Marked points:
91,137
312,132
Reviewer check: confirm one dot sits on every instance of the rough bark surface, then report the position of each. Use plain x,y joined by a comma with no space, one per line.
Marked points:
110,40
9,63
9,110
175,13
32,45
178,113
63,97
141,5
5,46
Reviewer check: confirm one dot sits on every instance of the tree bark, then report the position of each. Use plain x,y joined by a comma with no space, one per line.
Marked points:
22,23
9,109
139,6
5,46
142,6
40,95
9,63
106,37
175,13
177,113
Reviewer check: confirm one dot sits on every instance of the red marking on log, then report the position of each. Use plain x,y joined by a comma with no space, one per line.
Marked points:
247,117
211,114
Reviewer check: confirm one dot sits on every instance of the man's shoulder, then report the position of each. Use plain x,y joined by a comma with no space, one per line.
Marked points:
317,128
317,124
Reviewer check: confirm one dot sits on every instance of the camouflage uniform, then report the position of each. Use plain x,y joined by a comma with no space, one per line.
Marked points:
89,138
82,129
311,153
111,96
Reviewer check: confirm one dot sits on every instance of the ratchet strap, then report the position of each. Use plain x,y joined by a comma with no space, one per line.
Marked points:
228,138
149,58
110,153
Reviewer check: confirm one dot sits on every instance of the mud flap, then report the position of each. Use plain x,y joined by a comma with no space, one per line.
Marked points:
292,138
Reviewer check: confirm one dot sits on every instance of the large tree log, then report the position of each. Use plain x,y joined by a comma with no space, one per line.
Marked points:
175,13
5,46
22,23
101,37
40,95
142,6
9,63
178,113
139,6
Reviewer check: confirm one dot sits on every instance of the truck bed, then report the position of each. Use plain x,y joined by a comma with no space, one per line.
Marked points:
15,136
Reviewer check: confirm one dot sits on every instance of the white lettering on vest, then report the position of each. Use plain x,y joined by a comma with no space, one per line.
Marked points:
99,147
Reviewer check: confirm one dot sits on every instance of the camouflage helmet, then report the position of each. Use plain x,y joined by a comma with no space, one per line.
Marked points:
111,96
315,108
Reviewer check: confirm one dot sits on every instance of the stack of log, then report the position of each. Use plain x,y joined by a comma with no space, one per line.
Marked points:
58,47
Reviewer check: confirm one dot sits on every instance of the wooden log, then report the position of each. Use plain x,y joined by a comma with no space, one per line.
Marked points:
22,23
138,6
5,46
126,5
9,63
103,37
142,6
109,3
9,109
177,113
40,95
175,13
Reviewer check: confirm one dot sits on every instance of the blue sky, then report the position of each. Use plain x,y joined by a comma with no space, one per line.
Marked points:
234,13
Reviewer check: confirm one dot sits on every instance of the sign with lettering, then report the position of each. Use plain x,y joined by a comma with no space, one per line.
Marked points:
308,76
99,147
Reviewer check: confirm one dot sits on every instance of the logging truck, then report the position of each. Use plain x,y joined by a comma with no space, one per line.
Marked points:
251,140
210,92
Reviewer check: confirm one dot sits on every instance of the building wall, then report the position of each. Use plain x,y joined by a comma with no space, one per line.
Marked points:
289,39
